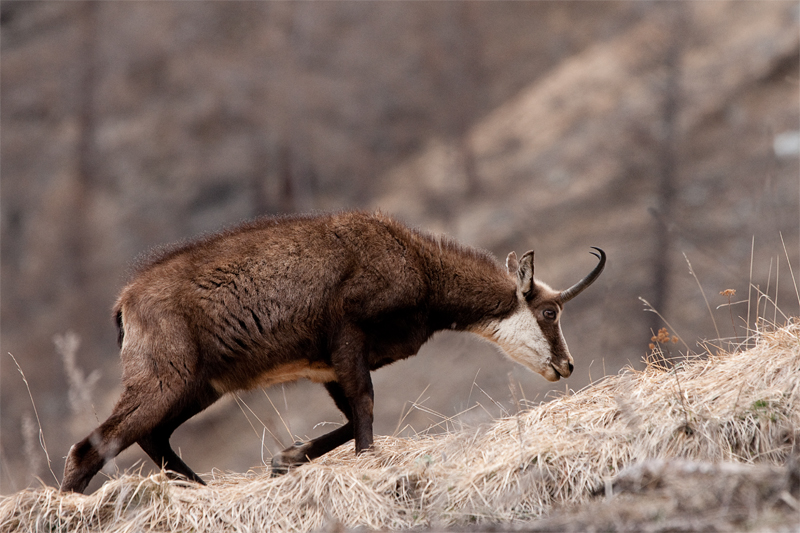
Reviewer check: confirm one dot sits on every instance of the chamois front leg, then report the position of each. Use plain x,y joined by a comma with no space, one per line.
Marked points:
355,383
303,452
353,395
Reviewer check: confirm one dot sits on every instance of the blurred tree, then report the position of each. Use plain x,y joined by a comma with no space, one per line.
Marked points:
667,158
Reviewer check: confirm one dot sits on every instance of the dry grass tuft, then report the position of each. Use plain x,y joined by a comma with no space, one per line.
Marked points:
659,496
741,408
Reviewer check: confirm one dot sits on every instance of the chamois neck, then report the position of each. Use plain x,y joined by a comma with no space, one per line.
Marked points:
469,286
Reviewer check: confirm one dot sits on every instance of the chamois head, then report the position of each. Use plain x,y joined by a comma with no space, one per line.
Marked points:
531,335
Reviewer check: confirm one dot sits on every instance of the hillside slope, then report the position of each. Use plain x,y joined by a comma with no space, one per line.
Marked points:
729,408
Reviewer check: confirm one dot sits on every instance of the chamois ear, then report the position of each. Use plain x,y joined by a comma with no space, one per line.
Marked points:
525,274
512,265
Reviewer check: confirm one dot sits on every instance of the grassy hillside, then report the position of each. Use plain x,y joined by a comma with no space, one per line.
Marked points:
729,417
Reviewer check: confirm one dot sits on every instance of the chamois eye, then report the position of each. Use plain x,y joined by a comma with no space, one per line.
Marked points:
549,314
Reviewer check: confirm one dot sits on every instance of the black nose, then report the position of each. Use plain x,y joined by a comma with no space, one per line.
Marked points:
571,367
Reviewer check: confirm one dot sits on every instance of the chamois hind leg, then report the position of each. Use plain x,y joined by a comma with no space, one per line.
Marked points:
303,452
156,443
143,415
125,425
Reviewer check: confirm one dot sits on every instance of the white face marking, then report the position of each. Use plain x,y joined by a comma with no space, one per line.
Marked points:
521,338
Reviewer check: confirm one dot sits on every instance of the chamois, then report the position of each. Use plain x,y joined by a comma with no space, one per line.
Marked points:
327,298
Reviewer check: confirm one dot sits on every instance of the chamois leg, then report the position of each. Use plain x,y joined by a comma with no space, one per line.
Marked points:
156,443
143,415
157,447
303,452
120,430
352,373
352,393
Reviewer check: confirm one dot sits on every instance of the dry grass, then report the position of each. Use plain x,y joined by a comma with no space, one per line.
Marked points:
660,496
741,408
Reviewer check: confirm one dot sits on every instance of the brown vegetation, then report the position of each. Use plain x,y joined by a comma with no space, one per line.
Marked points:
716,414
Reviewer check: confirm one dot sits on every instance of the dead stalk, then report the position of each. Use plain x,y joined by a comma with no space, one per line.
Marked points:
36,414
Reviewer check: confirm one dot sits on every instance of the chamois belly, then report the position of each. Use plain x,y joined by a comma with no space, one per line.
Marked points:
317,372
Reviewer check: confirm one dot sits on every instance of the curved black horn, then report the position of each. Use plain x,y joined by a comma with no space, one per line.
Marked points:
576,289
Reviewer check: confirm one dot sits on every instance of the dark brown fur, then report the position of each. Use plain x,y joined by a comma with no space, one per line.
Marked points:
327,297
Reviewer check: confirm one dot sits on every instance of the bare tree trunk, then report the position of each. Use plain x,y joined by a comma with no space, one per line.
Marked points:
468,89
668,163
85,160
259,199
288,202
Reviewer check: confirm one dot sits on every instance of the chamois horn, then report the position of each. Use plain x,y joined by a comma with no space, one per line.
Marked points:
576,289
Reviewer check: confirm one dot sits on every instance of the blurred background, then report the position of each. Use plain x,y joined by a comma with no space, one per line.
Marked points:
658,131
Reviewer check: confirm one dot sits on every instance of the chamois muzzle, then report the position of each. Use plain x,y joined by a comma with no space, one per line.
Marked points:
579,287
